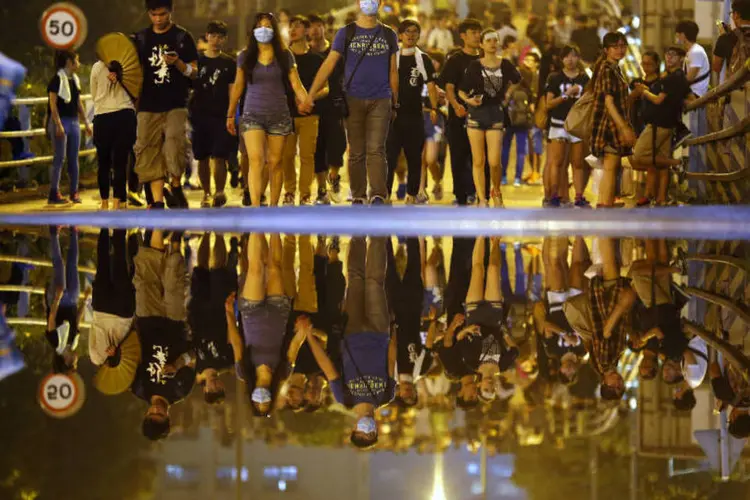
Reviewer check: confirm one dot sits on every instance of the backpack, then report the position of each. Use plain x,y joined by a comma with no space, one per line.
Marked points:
519,107
741,52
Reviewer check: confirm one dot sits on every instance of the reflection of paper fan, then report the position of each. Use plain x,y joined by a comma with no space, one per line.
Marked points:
118,372
118,52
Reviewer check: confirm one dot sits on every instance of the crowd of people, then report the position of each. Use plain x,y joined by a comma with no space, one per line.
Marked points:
430,88
380,325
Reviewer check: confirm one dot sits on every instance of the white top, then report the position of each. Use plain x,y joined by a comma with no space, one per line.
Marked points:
106,330
694,374
697,58
506,30
440,38
108,97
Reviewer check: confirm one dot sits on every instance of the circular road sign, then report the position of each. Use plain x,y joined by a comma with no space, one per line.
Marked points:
63,26
61,395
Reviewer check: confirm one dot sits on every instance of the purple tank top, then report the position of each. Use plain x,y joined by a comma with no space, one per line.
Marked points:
265,96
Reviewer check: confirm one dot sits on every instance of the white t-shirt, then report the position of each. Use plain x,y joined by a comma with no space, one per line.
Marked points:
694,374
697,58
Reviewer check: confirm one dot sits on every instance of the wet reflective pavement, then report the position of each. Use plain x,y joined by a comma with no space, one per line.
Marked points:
163,364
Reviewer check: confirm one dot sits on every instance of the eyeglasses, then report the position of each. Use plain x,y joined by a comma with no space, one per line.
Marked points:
412,31
618,46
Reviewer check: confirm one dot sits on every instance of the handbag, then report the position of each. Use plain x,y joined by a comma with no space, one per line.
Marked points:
580,120
340,103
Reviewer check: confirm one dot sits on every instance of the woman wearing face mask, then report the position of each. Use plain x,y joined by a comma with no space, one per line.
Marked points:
483,88
563,90
266,70
264,311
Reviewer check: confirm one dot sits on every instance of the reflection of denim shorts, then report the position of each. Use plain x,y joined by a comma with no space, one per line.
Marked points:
271,125
490,117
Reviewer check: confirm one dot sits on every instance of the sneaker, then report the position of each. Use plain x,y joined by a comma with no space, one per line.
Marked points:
179,197
288,200
681,134
159,205
334,188
335,244
263,201
554,202
594,162
358,201
517,183
504,181
582,202
377,200
135,199
437,192
305,200
322,198
168,198
76,198
644,202
234,178
410,200
56,199
535,179
220,200
246,202
207,201
401,191
471,200
423,199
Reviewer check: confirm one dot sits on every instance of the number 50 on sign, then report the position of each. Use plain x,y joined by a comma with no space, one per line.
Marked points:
63,26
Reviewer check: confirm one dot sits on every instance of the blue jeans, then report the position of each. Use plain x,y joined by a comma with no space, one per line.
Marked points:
64,275
65,147
522,137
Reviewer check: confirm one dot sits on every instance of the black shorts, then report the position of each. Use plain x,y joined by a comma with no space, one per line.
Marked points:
210,138
331,142
213,285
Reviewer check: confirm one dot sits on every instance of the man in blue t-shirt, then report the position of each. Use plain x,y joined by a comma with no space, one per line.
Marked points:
371,86
368,352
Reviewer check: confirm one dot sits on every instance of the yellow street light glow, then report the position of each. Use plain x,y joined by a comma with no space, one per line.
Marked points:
438,491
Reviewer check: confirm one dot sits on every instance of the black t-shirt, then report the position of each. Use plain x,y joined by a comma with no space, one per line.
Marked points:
212,350
411,82
335,83
308,65
557,84
164,87
726,42
638,111
668,114
163,341
67,110
453,72
211,88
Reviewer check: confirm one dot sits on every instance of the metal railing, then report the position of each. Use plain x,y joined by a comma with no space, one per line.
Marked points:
40,263
27,132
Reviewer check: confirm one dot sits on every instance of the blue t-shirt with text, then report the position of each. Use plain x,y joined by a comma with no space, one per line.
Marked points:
365,377
372,79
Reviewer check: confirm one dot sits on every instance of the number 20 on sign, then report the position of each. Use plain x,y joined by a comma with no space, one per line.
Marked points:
63,26
61,395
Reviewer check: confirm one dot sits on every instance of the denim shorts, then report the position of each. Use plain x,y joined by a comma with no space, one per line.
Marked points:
271,125
490,117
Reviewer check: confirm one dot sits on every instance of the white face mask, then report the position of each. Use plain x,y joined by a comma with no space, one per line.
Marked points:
369,7
263,34
261,395
367,425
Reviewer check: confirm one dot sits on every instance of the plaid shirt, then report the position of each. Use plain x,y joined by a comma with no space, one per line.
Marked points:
605,353
604,133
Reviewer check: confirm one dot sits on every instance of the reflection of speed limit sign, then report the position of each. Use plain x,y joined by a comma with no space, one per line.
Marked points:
61,395
63,26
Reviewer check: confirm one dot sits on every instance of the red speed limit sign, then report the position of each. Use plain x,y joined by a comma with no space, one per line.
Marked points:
63,26
61,395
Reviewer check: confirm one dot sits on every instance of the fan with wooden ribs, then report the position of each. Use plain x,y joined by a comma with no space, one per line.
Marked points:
118,52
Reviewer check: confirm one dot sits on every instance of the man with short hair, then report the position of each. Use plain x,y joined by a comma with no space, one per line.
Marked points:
331,146
697,71
169,58
166,372
726,44
415,70
212,143
371,85
306,127
463,183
